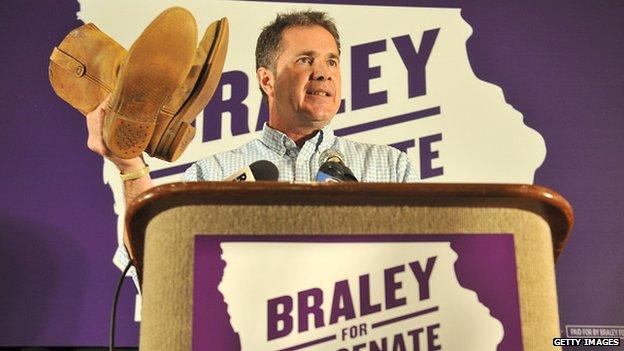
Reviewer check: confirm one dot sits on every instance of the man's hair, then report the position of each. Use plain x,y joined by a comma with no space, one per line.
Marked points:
269,42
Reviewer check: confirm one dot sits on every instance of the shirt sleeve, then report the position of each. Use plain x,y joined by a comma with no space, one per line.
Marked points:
121,259
207,169
405,170
191,174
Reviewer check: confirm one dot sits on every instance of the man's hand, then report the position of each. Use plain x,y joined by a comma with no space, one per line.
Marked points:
95,140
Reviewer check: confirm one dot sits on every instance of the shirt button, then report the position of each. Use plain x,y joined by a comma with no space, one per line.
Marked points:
292,153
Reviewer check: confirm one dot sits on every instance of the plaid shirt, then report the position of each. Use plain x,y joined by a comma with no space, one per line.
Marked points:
369,163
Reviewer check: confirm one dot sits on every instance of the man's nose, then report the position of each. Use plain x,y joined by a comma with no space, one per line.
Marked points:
320,71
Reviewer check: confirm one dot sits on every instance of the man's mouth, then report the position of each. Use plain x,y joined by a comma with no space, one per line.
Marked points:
318,92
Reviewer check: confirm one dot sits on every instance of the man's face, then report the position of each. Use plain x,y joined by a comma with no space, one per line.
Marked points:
307,83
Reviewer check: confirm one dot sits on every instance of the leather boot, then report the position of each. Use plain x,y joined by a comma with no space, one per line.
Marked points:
84,67
175,118
156,64
173,130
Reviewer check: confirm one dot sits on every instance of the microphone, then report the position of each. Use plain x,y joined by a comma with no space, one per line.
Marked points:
333,168
259,170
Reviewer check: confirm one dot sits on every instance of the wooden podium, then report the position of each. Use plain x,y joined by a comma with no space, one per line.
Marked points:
163,222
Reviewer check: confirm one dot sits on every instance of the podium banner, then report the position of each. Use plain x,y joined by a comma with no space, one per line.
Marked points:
356,292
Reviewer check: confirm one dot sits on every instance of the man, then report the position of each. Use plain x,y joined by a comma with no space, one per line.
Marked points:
298,70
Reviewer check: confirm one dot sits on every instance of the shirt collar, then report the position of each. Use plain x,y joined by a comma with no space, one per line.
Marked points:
280,142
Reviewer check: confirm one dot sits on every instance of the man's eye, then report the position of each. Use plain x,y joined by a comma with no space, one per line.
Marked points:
306,60
333,63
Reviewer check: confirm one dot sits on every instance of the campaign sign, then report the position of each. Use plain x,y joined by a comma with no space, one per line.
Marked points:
356,292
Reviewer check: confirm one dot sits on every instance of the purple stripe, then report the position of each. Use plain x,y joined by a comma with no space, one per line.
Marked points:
404,145
310,343
388,121
169,171
407,316
403,3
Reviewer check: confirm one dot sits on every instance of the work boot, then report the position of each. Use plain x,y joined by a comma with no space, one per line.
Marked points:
156,64
84,67
173,131
188,100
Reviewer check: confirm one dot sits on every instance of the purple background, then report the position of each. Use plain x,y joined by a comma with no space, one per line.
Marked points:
559,63
491,276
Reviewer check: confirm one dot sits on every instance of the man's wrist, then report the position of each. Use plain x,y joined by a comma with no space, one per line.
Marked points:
139,173
130,165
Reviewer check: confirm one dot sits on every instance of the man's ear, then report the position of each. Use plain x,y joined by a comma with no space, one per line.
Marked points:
266,79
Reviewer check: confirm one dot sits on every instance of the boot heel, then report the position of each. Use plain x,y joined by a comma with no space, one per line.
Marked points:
182,139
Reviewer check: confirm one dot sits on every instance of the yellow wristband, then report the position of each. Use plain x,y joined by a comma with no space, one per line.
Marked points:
135,174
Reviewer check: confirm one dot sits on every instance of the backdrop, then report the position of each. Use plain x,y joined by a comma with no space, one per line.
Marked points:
479,91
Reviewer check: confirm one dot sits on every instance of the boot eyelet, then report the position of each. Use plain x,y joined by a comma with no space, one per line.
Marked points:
80,71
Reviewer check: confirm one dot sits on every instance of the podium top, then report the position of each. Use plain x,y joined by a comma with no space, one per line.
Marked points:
542,201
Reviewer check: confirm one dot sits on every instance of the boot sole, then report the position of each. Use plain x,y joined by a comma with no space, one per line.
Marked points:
179,131
156,64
